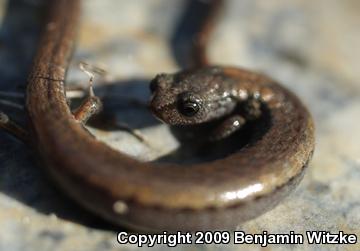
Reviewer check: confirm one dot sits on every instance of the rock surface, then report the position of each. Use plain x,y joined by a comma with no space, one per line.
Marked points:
309,46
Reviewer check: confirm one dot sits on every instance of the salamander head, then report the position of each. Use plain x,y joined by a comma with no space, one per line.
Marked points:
191,97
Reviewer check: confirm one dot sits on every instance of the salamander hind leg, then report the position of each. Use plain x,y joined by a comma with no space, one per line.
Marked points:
92,104
13,128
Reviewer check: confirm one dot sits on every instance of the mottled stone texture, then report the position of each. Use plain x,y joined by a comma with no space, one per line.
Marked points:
312,47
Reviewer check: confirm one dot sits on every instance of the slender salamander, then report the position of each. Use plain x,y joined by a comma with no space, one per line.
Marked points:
219,194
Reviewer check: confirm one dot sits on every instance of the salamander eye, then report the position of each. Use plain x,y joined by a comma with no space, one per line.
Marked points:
189,108
187,105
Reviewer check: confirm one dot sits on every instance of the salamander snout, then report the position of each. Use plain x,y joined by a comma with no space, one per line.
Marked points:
161,81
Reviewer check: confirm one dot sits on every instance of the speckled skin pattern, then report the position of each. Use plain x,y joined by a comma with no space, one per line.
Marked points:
214,195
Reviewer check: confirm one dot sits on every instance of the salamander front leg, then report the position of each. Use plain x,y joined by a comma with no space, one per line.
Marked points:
228,127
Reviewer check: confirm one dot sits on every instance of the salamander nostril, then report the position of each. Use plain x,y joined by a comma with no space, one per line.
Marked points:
154,85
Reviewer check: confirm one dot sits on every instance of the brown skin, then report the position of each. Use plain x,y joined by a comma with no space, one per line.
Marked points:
215,195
